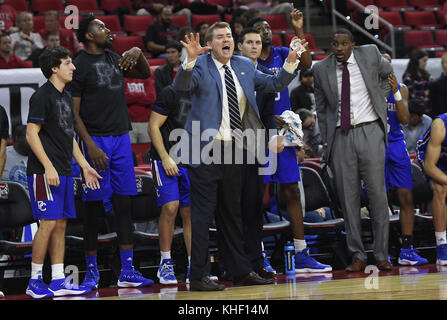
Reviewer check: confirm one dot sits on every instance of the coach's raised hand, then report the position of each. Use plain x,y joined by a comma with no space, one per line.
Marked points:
193,47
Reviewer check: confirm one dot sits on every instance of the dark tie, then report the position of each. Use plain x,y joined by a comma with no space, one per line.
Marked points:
345,116
233,105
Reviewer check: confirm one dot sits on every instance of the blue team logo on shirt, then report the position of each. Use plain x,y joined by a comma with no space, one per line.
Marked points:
18,174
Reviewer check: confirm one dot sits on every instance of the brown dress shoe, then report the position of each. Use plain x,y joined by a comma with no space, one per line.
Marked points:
357,266
384,265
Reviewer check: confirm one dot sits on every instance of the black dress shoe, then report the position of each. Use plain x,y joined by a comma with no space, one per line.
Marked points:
205,284
251,279
265,273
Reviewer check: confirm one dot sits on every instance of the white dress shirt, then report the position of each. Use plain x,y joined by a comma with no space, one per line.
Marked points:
361,107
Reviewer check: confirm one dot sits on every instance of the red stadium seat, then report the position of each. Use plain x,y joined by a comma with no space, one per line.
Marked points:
19,5
228,18
85,6
395,18
426,4
319,57
39,23
137,24
112,23
441,17
180,20
424,20
122,44
277,22
439,54
109,5
421,39
441,37
223,3
394,5
157,62
276,40
208,18
42,6
362,2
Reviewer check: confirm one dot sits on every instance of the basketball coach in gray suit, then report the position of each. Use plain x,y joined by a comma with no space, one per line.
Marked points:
351,86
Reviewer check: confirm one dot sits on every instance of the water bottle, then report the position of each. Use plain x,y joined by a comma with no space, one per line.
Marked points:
289,256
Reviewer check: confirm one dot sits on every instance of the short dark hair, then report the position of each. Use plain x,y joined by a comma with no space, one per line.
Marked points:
306,73
255,20
83,27
50,33
344,31
52,58
304,114
416,106
247,31
174,44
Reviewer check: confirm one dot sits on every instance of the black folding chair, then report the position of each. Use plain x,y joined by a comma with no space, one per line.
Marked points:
329,231
15,213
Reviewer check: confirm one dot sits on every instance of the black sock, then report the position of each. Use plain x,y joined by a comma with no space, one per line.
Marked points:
407,241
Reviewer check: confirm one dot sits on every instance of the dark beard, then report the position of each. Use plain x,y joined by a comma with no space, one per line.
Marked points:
105,45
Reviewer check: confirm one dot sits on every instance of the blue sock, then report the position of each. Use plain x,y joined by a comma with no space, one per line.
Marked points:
126,259
91,262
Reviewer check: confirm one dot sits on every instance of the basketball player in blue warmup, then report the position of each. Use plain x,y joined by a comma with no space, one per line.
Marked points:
398,167
432,153
50,135
288,172
103,125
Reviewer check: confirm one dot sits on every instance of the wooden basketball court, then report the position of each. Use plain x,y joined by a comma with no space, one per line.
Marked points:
402,283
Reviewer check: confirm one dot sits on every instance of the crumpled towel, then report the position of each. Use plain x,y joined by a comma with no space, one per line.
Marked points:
292,129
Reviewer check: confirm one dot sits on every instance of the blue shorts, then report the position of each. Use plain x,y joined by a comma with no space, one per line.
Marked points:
171,188
119,176
398,166
287,169
50,202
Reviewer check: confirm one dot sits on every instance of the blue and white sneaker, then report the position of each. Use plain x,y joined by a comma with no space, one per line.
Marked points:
305,263
38,289
133,278
166,272
212,277
91,279
64,287
267,265
410,257
441,253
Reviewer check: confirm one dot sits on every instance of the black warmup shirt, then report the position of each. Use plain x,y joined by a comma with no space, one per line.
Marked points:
176,106
99,82
54,111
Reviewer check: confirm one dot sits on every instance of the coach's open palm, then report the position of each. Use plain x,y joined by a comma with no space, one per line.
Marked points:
91,177
193,47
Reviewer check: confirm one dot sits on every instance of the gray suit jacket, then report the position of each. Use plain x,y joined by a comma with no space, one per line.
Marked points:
375,71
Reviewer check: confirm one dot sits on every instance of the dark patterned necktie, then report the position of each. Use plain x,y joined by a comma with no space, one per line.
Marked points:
345,116
233,105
